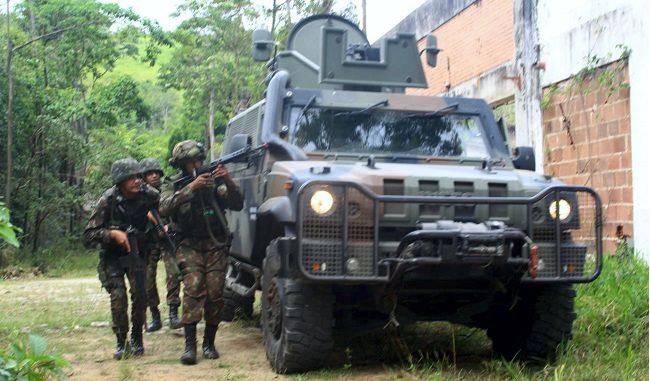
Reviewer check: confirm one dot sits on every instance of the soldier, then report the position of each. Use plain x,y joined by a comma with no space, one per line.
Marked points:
125,204
197,211
152,175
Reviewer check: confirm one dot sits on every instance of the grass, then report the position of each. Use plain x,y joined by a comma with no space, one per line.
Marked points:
610,335
62,258
134,66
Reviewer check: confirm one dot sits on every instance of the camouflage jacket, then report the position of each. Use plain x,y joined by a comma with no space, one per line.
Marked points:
193,211
113,211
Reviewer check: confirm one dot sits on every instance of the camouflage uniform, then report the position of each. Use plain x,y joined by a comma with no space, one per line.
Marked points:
155,250
113,211
198,218
173,283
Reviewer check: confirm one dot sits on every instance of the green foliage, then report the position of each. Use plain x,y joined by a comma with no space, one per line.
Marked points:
30,361
607,78
120,99
58,104
119,142
212,55
7,230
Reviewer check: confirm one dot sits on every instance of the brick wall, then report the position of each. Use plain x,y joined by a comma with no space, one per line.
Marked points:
476,40
587,141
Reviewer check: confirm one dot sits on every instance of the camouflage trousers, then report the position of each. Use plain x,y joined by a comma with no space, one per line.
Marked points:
204,271
119,301
173,283
153,256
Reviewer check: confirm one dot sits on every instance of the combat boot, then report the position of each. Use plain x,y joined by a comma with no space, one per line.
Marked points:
189,356
120,349
155,324
174,321
137,347
209,351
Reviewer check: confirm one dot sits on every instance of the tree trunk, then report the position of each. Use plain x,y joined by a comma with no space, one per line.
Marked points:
274,13
288,12
210,131
10,125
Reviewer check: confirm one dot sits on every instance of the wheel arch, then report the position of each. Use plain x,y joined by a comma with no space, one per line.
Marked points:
275,218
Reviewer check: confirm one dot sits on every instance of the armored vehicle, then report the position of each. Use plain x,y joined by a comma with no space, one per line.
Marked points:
369,206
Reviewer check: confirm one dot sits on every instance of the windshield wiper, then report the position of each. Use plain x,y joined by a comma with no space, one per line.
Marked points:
442,111
306,107
377,105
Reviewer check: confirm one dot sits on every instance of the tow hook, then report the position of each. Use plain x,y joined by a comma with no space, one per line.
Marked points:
534,261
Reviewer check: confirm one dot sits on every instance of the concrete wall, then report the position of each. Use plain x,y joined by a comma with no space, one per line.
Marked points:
574,32
429,16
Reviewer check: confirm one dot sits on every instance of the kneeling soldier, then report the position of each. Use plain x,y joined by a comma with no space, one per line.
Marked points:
123,206
197,211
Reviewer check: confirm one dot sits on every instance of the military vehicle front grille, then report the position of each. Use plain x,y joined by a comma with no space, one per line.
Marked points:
464,188
325,237
578,249
498,190
394,188
429,188
358,229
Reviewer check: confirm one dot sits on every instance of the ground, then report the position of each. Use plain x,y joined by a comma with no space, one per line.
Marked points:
610,340
72,314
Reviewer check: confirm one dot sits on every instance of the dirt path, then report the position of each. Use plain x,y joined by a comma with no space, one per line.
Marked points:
73,315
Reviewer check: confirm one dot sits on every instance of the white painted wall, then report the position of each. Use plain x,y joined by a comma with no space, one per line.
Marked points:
570,32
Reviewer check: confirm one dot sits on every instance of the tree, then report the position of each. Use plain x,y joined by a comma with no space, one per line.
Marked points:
211,63
48,108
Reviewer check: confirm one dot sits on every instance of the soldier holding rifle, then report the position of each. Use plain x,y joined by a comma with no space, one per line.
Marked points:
119,223
197,210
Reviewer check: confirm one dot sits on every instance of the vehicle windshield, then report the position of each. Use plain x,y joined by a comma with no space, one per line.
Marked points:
388,132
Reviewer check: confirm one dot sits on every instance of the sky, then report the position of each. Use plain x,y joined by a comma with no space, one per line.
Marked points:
382,14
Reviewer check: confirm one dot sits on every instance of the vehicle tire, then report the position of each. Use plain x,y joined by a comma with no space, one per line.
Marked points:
538,323
236,306
296,320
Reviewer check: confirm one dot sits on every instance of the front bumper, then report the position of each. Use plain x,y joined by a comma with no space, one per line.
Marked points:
347,245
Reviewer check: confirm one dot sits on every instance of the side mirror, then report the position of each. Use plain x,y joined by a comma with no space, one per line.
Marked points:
236,143
432,50
524,158
263,45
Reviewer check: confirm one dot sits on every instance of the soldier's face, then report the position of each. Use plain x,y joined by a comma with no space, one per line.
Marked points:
152,178
193,164
131,186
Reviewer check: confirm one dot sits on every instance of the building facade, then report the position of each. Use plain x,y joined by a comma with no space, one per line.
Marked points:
568,78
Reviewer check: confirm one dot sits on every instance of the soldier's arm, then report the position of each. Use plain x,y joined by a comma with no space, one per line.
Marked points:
96,230
233,199
171,200
230,198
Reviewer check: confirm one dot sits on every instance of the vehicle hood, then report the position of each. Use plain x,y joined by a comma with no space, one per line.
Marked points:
416,179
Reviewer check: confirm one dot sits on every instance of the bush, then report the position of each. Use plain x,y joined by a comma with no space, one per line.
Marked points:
30,361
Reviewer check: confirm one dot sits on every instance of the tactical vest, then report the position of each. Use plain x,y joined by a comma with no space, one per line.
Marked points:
123,213
202,215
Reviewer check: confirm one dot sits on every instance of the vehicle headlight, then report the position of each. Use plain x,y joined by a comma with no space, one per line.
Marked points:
560,208
321,202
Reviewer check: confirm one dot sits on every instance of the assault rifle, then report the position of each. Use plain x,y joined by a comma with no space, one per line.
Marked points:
136,264
160,229
135,260
235,156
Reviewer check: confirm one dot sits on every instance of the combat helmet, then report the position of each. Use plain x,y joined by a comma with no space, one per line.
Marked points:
123,168
151,164
186,150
